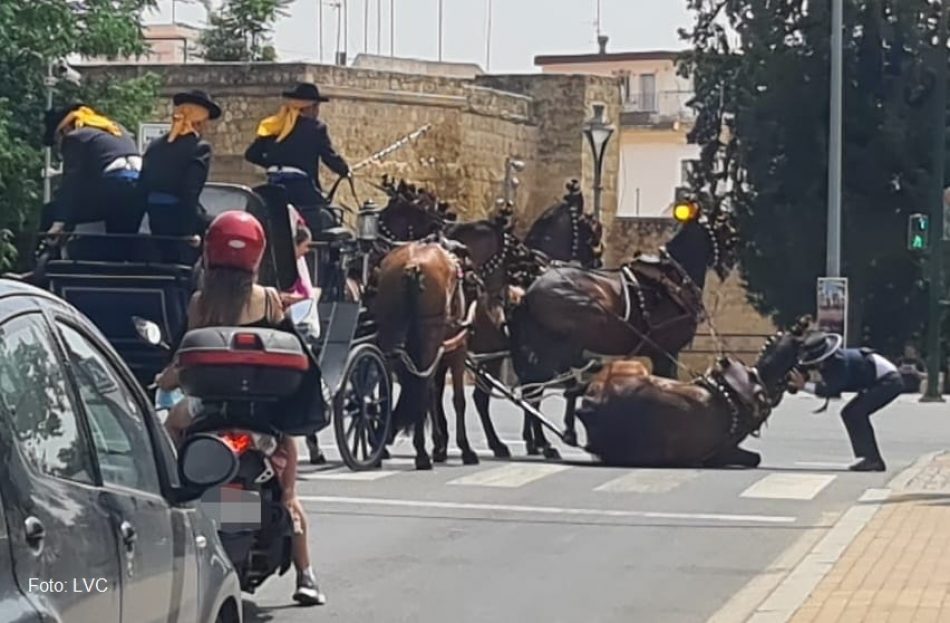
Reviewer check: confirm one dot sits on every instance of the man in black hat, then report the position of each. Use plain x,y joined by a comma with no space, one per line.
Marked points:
861,370
291,144
101,164
174,171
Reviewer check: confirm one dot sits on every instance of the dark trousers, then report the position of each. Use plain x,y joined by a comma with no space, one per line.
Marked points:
857,414
173,220
113,201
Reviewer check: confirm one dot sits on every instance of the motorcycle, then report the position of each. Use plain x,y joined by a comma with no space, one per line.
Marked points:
238,379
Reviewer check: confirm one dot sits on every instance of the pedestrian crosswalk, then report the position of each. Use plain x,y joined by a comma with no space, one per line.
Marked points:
793,483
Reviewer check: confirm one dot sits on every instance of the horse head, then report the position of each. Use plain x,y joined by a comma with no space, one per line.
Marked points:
411,213
778,358
564,232
706,241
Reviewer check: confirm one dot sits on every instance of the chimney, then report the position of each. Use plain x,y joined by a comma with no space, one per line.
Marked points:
602,42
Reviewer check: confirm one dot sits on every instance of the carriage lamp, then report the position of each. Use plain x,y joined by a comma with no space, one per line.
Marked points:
598,133
367,222
685,211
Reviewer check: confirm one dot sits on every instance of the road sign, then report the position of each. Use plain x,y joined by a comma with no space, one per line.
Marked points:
918,232
833,305
149,132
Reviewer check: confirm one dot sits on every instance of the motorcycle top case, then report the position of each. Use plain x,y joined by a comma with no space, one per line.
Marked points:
238,363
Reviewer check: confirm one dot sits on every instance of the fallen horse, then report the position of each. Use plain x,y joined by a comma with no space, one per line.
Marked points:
635,419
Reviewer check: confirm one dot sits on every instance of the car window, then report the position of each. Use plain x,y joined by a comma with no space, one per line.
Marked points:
119,433
34,396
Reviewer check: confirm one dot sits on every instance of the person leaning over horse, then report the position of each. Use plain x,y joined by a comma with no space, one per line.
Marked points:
230,297
101,164
874,378
291,145
174,172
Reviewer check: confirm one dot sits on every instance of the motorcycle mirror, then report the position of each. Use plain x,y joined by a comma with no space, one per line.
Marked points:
205,461
148,330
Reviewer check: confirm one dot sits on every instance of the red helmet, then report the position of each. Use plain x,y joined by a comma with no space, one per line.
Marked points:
234,239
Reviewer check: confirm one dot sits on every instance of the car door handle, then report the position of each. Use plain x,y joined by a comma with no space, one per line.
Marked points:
128,535
35,531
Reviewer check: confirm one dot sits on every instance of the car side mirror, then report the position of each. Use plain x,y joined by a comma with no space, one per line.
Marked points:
150,332
204,462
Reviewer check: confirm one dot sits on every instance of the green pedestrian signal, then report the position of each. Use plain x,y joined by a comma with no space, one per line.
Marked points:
918,232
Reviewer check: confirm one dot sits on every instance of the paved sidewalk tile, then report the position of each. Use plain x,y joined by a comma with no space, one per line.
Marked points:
897,570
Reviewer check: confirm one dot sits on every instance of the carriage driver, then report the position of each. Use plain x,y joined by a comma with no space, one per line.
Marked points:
101,164
874,378
290,145
174,171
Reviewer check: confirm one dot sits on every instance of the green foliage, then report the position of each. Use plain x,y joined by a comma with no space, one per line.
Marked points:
33,33
761,71
240,30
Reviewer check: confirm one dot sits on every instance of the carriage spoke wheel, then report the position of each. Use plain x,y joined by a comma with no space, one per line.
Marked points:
362,409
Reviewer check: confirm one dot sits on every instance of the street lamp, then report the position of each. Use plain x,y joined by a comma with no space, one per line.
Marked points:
598,133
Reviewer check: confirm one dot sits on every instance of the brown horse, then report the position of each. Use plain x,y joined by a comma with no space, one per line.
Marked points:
421,312
634,419
650,308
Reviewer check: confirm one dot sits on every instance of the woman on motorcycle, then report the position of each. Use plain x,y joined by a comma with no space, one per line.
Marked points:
230,297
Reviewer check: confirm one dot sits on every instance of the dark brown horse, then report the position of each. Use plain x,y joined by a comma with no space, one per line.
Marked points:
635,419
421,312
650,308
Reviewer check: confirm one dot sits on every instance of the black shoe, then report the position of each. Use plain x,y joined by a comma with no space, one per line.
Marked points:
308,593
868,465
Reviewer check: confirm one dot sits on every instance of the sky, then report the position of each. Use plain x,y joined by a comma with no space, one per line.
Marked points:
521,29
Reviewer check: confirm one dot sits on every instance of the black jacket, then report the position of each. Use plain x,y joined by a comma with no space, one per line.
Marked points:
179,169
86,152
306,145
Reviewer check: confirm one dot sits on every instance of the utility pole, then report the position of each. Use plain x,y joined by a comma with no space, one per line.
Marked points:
834,140
392,27
379,25
488,39
935,196
440,30
320,29
365,26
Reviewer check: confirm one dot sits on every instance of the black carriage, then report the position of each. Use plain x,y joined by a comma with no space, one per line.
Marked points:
112,293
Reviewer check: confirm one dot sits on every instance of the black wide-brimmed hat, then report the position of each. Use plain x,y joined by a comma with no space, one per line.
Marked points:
306,91
51,120
819,346
199,98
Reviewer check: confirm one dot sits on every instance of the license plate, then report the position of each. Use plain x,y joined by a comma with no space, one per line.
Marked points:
233,509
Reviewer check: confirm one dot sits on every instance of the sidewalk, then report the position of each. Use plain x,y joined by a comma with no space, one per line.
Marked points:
897,569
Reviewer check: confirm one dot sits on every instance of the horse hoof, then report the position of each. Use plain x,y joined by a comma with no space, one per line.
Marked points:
440,456
551,453
423,463
501,452
385,455
469,458
532,450
318,459
570,437
755,460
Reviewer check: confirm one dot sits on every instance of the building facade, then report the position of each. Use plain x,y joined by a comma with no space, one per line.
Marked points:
167,44
655,154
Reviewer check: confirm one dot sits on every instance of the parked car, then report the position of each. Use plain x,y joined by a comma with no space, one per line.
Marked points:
98,522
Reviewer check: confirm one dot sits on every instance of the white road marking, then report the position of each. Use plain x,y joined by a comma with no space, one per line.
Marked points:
788,486
358,476
649,481
546,510
509,476
823,464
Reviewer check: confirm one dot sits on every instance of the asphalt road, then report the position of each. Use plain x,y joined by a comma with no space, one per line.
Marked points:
528,540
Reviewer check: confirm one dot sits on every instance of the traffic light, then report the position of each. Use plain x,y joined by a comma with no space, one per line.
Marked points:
918,232
685,208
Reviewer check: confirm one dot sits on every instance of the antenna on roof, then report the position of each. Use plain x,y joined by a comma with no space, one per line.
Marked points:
598,21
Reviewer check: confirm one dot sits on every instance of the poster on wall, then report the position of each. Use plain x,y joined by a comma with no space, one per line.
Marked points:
149,132
833,305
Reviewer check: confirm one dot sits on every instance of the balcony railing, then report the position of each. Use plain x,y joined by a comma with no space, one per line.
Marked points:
657,108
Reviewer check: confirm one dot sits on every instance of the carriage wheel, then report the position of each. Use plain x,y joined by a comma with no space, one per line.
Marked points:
362,409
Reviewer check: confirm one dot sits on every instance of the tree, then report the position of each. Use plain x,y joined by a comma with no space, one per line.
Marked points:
33,34
240,30
761,72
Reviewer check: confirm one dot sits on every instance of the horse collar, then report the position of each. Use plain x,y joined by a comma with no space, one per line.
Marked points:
713,240
575,238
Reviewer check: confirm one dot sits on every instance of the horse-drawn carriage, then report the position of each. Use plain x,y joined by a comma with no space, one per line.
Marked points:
113,293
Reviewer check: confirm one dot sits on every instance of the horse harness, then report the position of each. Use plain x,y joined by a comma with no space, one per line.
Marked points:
747,407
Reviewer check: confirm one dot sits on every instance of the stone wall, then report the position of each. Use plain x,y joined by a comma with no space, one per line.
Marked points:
741,330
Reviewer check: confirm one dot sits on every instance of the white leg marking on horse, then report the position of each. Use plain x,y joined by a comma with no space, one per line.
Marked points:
788,486
509,476
649,481
544,510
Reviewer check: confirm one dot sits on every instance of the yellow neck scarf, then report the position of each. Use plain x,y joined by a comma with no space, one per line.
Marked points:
281,124
184,119
86,117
